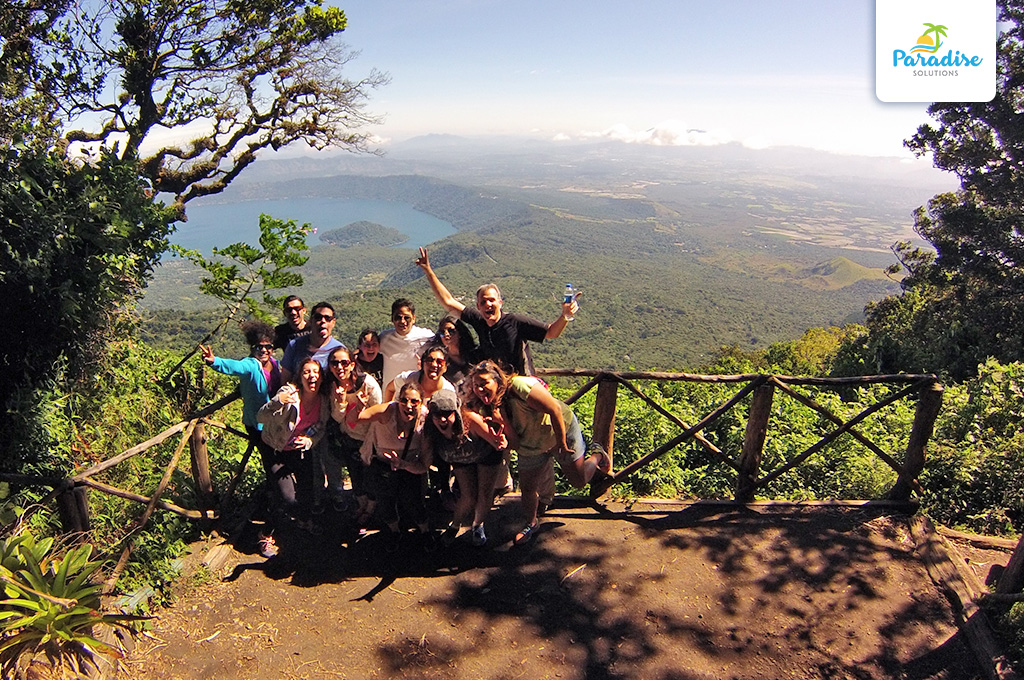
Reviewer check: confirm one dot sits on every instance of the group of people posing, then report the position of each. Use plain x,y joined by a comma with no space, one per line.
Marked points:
403,414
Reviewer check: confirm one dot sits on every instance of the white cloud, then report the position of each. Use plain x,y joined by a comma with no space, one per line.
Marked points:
666,133
561,137
757,142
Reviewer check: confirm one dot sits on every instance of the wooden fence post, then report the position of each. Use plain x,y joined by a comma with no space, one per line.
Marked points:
928,406
605,407
1012,580
73,508
201,467
753,442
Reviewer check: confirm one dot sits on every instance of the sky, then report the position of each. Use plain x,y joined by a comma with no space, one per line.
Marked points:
783,73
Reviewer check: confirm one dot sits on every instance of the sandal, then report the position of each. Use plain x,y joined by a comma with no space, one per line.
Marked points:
267,546
605,464
525,535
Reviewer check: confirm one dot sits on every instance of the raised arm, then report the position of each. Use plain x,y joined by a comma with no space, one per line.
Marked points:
569,309
440,292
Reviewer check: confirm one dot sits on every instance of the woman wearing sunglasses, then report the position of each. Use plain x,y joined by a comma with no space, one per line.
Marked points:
259,376
394,452
348,388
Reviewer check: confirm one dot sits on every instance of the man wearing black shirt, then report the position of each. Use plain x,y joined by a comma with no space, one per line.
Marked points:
503,336
295,325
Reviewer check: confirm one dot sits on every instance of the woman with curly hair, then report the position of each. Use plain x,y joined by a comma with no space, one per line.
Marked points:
540,428
259,376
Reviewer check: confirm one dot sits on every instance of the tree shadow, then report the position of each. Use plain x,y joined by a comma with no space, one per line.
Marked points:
683,593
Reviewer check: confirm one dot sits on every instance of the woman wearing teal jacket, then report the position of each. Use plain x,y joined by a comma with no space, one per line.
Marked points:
259,378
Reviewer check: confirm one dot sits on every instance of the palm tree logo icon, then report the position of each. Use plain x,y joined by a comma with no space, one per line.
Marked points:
925,42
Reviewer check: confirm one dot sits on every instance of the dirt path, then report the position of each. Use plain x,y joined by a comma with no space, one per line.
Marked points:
664,591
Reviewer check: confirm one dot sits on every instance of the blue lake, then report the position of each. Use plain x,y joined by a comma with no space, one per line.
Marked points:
219,225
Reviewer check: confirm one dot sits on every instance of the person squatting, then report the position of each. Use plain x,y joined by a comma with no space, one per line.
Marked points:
414,419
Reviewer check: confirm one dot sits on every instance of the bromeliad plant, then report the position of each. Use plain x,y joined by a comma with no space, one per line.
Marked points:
51,608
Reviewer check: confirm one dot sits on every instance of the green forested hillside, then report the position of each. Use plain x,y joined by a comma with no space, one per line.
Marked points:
363,233
660,290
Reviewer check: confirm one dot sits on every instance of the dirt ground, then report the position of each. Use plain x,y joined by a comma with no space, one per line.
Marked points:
656,590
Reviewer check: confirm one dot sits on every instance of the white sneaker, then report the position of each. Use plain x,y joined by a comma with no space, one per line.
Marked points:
479,537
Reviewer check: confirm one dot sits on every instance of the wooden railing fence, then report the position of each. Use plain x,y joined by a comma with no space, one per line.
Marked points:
762,389
70,493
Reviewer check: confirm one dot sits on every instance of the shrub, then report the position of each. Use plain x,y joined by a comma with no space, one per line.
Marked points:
51,608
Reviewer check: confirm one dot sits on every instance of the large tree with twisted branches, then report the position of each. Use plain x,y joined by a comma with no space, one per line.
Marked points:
225,78
179,96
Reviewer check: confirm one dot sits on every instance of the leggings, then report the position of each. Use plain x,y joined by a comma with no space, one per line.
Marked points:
399,494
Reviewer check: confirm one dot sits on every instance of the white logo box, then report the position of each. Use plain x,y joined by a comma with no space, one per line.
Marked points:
909,68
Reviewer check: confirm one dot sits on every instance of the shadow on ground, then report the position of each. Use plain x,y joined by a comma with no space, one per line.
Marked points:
662,591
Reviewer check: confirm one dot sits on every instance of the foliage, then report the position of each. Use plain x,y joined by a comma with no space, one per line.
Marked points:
118,406
975,472
239,271
52,605
242,77
77,242
966,295
242,276
1012,626
27,113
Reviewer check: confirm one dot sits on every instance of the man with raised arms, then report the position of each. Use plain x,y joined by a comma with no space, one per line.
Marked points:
503,335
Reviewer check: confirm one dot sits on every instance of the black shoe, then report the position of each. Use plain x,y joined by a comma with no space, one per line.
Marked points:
449,535
390,540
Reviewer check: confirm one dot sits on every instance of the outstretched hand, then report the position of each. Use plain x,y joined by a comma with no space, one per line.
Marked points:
207,353
569,309
423,262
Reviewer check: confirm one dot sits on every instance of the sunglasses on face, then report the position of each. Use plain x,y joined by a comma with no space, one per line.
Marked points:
294,310
341,362
410,402
401,317
265,346
442,414
323,317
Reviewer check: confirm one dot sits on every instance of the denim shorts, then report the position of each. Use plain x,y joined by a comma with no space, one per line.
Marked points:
573,437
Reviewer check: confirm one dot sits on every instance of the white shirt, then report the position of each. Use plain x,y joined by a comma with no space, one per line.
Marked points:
406,376
402,353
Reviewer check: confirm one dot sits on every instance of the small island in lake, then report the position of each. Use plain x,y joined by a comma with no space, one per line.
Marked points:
364,233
